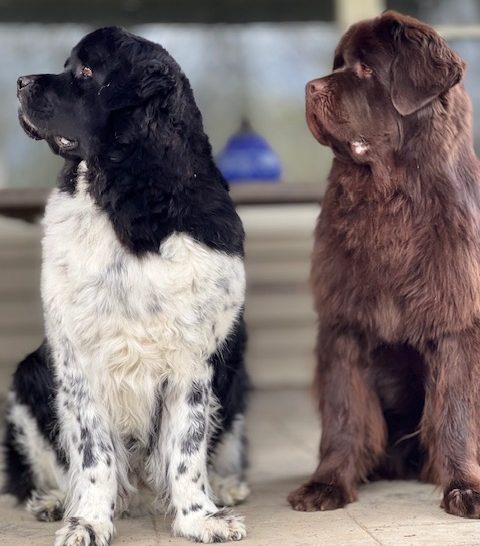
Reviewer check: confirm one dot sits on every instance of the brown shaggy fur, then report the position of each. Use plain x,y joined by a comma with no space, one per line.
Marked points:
396,269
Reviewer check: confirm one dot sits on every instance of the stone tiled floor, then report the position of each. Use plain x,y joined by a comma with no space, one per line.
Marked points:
283,435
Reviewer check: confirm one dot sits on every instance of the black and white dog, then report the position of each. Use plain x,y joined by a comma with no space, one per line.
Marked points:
140,384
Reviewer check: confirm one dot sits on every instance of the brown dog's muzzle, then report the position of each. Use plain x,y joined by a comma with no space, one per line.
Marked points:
314,91
315,87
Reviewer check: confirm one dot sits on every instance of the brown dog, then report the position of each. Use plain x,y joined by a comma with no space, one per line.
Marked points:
396,268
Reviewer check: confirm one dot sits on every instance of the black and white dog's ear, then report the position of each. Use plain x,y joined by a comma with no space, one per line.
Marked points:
147,79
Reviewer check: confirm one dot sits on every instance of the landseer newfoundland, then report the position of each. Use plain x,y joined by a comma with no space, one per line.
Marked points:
140,383
396,269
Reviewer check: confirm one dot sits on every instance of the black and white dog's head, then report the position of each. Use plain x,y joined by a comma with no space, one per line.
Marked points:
124,107
109,71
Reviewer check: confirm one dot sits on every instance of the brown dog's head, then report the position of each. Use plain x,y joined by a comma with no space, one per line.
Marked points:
385,71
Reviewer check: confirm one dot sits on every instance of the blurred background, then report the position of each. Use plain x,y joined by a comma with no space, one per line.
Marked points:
245,59
248,61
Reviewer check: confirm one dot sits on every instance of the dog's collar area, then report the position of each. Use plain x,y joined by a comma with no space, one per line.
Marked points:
65,144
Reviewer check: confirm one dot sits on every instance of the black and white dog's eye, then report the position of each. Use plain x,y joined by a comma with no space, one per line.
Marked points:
86,72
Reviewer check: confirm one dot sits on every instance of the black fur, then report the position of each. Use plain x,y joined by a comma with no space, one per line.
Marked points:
34,387
150,162
230,381
18,478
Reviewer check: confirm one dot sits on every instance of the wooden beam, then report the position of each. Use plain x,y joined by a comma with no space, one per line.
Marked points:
129,12
29,203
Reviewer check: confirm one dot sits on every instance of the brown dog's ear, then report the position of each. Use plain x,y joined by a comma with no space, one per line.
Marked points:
424,66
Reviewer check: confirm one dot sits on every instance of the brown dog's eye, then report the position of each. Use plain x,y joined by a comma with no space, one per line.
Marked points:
87,72
366,70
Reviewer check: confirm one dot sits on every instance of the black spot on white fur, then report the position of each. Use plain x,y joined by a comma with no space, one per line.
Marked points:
198,394
196,432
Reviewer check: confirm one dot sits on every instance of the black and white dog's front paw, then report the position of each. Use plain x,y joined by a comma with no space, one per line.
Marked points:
220,526
79,532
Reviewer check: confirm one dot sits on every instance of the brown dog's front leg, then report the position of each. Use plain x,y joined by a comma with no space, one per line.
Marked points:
450,424
353,429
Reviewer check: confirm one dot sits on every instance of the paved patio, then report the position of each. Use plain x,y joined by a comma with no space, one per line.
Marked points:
283,435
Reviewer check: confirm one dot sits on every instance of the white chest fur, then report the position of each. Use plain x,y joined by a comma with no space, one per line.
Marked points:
132,322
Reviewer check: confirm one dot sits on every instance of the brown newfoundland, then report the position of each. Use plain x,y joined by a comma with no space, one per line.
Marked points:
396,269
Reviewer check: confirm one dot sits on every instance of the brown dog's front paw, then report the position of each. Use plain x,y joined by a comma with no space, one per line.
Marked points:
313,496
462,501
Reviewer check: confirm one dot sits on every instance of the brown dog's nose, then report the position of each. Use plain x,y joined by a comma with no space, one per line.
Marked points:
315,86
23,81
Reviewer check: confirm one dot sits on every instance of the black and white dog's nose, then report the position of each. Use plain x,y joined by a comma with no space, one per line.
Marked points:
23,81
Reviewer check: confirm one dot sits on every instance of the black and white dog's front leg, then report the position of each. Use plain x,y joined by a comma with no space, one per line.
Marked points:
185,425
93,474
